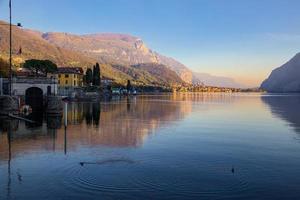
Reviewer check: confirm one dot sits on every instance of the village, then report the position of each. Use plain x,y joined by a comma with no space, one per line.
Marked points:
41,85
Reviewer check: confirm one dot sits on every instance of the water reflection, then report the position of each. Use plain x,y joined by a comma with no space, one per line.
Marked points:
54,122
96,113
37,117
206,146
7,124
286,107
123,123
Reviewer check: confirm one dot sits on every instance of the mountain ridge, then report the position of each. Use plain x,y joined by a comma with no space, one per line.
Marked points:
35,44
284,78
116,48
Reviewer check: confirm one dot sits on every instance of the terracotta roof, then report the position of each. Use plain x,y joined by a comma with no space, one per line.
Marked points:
69,70
24,73
107,78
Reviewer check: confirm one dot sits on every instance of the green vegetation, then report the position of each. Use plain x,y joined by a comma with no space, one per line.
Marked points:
88,76
96,75
128,86
92,77
4,68
40,66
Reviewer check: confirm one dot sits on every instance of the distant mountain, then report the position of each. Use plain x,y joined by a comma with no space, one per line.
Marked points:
119,55
217,81
156,70
285,78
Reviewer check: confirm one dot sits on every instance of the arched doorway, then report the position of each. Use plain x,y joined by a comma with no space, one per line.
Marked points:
34,98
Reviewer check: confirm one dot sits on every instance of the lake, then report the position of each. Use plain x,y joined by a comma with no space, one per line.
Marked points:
173,146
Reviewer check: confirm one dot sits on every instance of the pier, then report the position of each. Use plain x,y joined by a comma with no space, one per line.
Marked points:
37,92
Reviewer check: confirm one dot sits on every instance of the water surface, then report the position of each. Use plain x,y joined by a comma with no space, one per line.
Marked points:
179,146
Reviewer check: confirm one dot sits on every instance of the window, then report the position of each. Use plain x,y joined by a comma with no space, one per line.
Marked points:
66,82
74,82
58,81
66,75
58,75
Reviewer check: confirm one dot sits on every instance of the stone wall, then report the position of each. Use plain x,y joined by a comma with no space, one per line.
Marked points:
20,88
20,85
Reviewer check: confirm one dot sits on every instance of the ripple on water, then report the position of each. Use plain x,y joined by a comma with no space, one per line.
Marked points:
124,176
91,177
194,186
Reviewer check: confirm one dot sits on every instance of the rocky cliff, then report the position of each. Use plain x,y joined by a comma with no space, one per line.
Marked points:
285,78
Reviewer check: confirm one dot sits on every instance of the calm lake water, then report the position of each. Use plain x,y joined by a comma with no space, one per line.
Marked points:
179,146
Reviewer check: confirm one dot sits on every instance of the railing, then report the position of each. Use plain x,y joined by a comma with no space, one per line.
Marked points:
32,80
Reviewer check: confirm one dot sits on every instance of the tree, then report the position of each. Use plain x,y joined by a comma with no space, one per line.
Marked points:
128,86
93,78
88,76
99,75
40,66
33,65
4,68
48,67
96,75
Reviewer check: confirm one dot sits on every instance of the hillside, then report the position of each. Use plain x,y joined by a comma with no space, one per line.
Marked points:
115,52
117,49
156,70
284,78
33,46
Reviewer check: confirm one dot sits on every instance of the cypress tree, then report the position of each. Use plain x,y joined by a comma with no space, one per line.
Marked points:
93,79
96,75
128,86
88,76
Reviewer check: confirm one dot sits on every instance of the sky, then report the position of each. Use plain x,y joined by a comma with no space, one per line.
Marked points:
242,39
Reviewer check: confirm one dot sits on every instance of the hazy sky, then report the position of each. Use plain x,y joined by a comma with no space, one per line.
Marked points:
243,39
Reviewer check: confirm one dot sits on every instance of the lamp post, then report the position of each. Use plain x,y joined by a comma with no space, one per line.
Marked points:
10,51
10,48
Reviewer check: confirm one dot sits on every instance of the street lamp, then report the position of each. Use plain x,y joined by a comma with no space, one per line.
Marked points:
10,49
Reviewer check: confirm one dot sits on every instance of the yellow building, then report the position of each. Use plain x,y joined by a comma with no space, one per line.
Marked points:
70,77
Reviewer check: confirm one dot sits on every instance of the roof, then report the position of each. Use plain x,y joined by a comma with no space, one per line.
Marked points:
69,70
23,73
107,78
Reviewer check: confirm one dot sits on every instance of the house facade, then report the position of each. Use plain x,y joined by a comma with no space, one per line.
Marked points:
69,79
70,76
105,81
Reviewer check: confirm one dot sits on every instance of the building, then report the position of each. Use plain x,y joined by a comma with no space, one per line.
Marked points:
23,72
105,81
69,78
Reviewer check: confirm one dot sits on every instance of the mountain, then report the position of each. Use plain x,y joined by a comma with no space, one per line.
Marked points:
284,78
117,49
156,70
120,55
33,46
217,81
